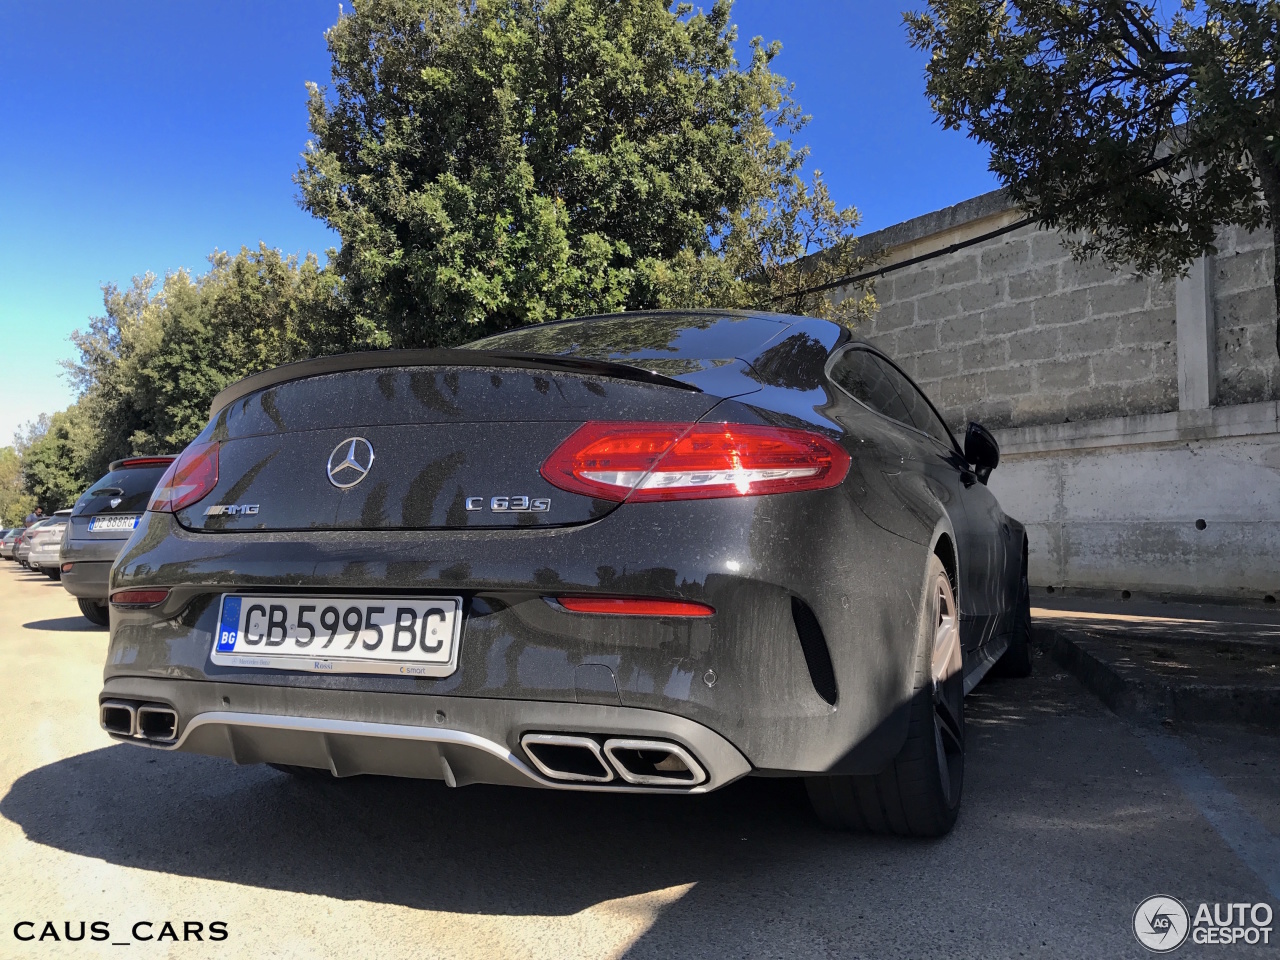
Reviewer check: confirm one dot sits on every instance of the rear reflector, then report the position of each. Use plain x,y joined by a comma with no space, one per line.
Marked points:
66,567
189,479
139,598
639,462
634,607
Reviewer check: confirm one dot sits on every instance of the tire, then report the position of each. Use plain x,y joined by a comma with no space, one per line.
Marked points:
918,794
1017,659
54,574
95,611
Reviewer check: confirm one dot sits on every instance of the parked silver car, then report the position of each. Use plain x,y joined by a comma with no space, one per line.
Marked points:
44,543
22,546
7,539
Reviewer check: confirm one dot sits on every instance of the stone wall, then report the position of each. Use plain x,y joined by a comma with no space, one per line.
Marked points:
1138,421
1013,332
1244,310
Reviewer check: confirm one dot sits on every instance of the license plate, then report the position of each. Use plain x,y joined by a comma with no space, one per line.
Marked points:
112,523
410,636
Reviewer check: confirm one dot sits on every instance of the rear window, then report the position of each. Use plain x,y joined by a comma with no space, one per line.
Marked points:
670,344
126,490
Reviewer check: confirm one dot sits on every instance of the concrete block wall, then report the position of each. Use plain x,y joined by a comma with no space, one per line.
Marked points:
1244,312
1138,420
1014,333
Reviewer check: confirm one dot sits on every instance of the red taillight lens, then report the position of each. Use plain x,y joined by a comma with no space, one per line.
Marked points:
139,598
640,462
636,607
189,479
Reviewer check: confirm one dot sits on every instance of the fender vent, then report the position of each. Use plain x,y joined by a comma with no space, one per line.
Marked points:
816,655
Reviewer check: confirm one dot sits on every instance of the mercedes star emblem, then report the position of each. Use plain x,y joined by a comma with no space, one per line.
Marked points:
350,462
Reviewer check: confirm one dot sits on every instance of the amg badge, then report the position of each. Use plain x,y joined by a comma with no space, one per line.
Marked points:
231,510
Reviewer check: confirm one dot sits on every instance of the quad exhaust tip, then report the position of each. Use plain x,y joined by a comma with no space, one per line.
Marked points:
118,717
654,763
562,757
156,722
640,762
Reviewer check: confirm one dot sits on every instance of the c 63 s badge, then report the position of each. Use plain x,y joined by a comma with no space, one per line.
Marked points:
511,504
232,510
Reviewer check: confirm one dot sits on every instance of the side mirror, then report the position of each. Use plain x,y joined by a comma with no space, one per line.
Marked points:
981,450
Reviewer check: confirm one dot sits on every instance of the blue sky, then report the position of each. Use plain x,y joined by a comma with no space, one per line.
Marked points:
141,136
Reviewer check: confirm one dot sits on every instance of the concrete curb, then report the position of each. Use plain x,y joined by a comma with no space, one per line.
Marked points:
1134,692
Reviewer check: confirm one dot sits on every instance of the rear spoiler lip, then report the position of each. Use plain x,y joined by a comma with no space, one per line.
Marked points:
388,359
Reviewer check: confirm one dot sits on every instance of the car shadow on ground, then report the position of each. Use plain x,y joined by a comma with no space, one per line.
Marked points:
765,873
60,624
478,849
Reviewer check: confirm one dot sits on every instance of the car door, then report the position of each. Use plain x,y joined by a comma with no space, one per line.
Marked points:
982,530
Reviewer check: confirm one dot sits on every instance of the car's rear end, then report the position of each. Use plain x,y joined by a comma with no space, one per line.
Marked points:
513,570
22,546
46,542
101,523
7,540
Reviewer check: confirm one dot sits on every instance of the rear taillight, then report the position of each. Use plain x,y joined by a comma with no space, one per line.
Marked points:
635,606
189,479
640,462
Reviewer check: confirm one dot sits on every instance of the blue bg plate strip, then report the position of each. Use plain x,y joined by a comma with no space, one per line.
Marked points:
230,625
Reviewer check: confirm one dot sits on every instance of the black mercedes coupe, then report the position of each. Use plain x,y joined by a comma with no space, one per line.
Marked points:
647,552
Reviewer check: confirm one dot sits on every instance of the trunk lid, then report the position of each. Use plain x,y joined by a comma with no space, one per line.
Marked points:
431,448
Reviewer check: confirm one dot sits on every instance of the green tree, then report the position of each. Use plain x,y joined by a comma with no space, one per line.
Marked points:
53,452
151,364
15,501
495,163
1143,127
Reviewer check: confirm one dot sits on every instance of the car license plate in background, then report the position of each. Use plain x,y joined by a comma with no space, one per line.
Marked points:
112,523
410,636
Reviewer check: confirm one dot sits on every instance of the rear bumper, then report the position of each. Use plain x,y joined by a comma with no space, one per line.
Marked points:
458,740
744,673
43,556
88,580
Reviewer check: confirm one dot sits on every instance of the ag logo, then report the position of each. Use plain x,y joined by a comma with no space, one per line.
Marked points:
1161,923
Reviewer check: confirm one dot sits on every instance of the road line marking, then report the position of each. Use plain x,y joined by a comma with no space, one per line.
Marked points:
1248,839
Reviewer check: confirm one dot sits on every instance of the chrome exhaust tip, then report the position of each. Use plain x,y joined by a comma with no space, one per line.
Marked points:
654,763
118,718
157,723
562,757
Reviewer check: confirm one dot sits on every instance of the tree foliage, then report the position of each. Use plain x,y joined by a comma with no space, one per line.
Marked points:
1142,126
15,501
150,365
495,163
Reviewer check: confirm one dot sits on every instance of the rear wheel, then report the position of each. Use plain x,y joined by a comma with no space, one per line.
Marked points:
95,611
918,795
1016,661
53,574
